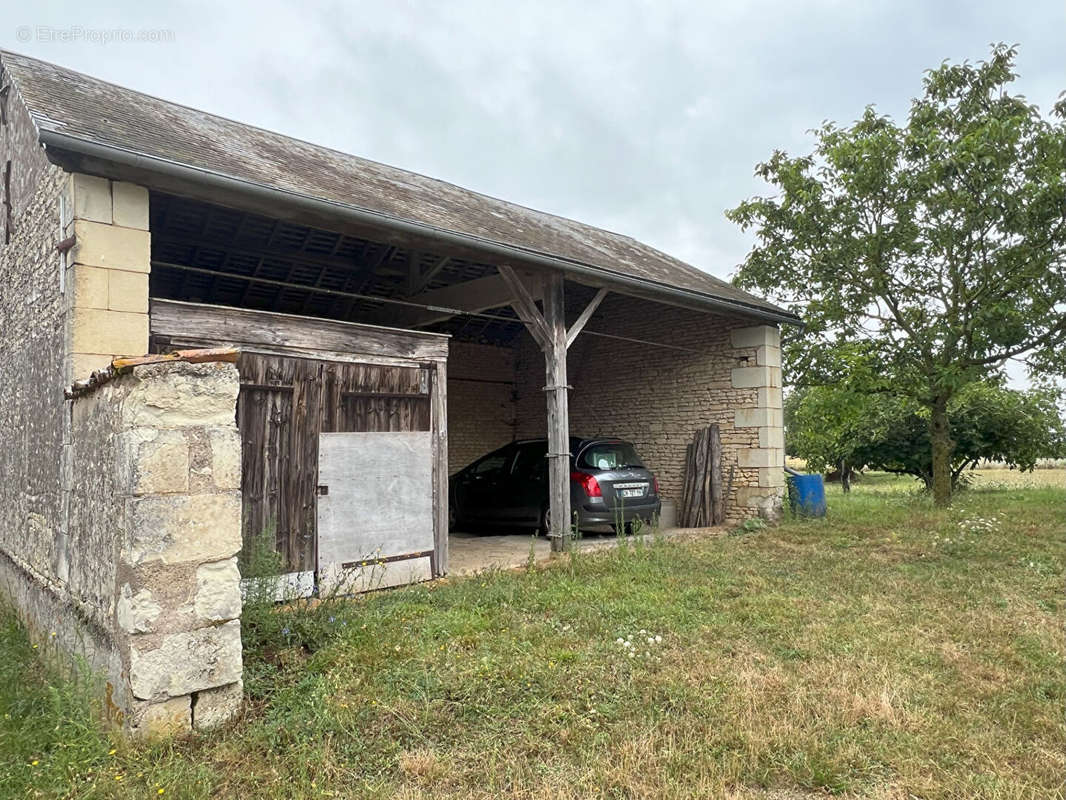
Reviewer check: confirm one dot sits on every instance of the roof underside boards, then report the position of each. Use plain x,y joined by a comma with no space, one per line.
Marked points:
87,110
245,260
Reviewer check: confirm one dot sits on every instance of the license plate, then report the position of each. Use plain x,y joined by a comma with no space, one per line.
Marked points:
632,493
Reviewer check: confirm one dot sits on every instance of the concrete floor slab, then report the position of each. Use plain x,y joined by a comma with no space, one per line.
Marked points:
470,553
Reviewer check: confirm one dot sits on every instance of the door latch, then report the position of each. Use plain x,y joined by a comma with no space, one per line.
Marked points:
323,490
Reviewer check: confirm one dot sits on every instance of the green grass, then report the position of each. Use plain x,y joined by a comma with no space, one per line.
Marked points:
891,650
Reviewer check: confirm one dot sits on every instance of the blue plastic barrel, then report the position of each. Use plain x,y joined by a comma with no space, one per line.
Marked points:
806,495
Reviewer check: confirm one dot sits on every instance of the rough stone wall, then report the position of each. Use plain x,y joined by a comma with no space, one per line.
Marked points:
32,334
481,412
146,588
658,397
44,297
19,145
155,525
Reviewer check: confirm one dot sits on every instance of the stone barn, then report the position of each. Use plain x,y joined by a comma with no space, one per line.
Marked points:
213,335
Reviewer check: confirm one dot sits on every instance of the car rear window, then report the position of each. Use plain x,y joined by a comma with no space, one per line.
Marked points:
609,455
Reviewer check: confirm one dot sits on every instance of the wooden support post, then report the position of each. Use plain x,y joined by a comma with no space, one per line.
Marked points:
558,414
549,331
439,427
414,271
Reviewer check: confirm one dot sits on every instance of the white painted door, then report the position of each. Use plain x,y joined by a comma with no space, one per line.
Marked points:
375,510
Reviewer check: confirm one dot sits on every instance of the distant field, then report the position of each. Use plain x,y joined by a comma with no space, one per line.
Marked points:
984,479
992,478
890,651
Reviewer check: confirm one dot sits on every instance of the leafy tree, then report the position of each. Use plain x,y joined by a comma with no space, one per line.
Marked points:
822,427
833,427
922,256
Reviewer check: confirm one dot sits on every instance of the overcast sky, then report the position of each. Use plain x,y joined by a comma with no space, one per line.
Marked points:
642,117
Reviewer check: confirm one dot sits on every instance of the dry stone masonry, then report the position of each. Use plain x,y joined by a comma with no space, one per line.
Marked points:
481,407
722,370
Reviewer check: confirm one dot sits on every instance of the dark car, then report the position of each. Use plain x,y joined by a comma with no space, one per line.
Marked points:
509,487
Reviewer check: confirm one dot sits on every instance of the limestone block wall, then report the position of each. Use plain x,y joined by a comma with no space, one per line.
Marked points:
761,346
658,397
105,271
154,528
481,411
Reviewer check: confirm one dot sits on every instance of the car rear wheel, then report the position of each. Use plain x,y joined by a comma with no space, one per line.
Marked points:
546,522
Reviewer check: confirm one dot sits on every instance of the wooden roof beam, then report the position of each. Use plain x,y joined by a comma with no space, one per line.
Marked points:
586,315
480,294
524,304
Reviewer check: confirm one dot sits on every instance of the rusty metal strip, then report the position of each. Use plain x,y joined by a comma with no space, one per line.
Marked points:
390,559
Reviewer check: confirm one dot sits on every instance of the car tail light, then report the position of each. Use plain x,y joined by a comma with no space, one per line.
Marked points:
654,485
587,482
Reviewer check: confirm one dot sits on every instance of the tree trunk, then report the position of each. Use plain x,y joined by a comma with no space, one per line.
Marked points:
845,476
940,437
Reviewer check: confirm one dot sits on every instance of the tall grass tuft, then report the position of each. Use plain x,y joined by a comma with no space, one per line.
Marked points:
50,727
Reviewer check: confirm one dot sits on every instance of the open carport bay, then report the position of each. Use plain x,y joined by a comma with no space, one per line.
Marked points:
641,371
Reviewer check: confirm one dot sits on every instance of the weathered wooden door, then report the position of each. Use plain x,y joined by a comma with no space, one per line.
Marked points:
285,405
277,475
